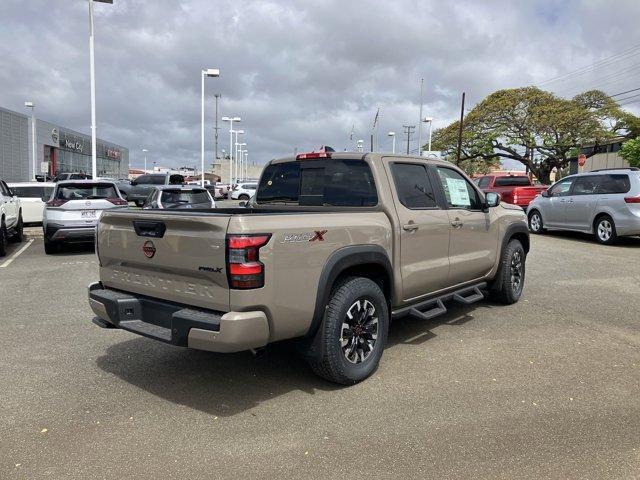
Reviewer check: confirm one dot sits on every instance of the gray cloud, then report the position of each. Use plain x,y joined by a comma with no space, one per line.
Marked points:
300,73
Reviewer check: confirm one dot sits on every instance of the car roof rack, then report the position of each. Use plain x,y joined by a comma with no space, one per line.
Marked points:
633,169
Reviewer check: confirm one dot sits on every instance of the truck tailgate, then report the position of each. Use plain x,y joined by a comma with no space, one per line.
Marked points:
524,195
176,258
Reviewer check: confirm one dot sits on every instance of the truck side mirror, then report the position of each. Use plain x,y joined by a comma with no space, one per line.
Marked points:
492,199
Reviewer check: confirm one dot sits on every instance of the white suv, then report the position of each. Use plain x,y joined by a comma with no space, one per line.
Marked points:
74,209
244,191
10,217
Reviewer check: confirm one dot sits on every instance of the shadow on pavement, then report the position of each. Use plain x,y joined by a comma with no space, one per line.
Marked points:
629,242
228,384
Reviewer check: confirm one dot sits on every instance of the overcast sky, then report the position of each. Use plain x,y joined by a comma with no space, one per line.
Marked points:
300,74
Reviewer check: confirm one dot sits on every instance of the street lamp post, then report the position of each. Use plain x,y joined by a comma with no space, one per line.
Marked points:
429,120
208,72
246,164
144,150
32,106
235,163
393,140
231,120
92,74
240,160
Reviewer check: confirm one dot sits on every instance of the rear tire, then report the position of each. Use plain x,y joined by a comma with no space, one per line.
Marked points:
243,197
353,333
535,222
18,235
508,285
51,247
3,239
605,230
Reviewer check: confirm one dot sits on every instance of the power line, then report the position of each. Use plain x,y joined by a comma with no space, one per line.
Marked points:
605,79
622,93
595,65
627,98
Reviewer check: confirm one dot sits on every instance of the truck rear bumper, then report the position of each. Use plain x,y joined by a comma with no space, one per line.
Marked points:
172,323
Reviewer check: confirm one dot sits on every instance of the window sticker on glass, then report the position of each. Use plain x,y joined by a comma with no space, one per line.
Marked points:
458,192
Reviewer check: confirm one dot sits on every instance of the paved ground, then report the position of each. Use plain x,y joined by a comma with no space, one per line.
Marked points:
546,388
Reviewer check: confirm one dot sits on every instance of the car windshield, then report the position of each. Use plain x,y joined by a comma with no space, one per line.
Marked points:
33,192
80,191
184,198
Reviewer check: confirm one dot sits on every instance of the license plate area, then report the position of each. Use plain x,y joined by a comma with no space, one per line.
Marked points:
88,214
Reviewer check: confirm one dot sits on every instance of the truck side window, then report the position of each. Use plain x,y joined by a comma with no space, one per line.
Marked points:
413,185
458,191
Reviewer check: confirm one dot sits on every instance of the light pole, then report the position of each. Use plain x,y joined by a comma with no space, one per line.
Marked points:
216,128
144,150
246,164
92,74
240,160
235,163
428,120
31,105
393,140
420,118
208,72
231,120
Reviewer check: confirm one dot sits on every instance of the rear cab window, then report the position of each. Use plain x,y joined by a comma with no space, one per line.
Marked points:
333,182
513,181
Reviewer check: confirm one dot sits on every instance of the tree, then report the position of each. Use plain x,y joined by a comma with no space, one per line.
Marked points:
631,151
537,128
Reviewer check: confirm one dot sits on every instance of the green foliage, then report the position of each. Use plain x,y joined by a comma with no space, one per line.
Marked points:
631,152
534,127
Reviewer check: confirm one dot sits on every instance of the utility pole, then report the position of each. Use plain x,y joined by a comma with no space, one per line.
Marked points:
371,142
216,128
420,120
408,129
460,130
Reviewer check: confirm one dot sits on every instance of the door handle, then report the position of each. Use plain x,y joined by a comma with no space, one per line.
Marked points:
457,223
410,227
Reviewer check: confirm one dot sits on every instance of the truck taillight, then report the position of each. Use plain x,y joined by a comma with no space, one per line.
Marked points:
244,268
56,202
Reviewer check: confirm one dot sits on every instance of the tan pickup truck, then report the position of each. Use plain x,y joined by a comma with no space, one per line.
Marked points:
332,247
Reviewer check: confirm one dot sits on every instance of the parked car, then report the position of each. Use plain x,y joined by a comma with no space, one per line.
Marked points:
243,191
11,223
605,203
139,189
71,215
33,196
337,245
72,176
225,188
176,197
514,189
215,191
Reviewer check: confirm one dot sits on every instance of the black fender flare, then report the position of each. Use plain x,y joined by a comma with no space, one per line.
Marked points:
337,263
520,229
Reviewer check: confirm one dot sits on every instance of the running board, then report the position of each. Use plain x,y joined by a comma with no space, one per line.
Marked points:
462,297
434,307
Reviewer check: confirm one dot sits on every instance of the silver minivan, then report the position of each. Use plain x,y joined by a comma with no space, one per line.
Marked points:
602,202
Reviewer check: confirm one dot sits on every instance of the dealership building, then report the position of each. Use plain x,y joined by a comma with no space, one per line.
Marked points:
58,150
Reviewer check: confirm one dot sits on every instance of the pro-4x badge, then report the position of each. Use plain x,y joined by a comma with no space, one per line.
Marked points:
315,236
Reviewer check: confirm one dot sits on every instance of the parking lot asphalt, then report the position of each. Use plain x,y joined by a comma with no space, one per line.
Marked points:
546,388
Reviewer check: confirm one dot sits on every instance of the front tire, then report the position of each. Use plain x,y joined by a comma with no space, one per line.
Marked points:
535,222
509,283
243,197
353,333
605,230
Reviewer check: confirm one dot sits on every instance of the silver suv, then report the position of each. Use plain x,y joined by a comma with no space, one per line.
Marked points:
603,202
71,215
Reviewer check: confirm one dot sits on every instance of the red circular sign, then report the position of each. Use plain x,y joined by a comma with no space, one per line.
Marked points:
582,159
149,249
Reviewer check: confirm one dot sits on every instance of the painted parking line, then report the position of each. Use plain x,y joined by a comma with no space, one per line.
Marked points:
8,261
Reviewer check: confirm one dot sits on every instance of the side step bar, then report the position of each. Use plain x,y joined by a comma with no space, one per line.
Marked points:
433,307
